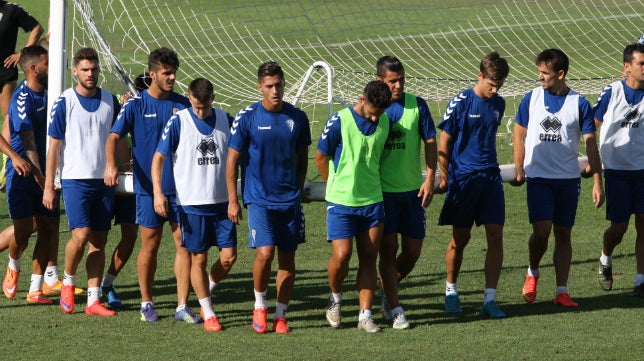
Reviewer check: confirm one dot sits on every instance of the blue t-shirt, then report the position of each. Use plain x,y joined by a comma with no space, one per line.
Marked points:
426,127
553,103
144,117
472,121
268,143
168,146
330,143
28,112
633,96
59,111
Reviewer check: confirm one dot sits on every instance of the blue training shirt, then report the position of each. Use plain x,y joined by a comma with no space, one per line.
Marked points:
28,112
472,121
144,117
268,143
553,103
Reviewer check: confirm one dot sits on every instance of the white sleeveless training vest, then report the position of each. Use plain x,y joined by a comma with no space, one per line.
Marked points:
83,150
200,161
621,136
552,141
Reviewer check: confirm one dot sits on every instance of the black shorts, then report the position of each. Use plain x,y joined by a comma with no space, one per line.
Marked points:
7,76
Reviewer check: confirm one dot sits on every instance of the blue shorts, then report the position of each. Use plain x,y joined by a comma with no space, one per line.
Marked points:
477,198
276,226
124,209
553,200
624,194
404,214
88,203
145,215
347,222
24,197
200,232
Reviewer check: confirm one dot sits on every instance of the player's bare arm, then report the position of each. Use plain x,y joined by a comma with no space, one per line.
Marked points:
518,151
427,187
322,164
12,60
111,174
443,160
22,166
53,156
594,161
232,171
302,168
31,153
160,200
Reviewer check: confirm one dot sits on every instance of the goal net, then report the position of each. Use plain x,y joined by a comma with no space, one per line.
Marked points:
439,42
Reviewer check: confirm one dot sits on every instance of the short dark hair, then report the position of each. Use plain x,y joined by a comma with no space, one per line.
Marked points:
389,63
201,89
163,57
494,67
31,54
377,94
85,54
554,58
269,68
630,49
142,82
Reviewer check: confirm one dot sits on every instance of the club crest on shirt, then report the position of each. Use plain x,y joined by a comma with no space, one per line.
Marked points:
290,123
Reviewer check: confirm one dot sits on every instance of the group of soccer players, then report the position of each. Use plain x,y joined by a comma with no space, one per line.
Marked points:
186,158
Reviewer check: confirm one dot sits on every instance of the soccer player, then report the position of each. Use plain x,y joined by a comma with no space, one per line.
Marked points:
81,120
12,17
124,213
270,139
196,139
28,130
620,113
144,117
354,140
547,130
405,193
471,176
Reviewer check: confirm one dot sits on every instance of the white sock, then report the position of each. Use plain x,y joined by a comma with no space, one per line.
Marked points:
145,304
335,297
397,310
51,275
93,295
450,288
561,289
639,279
180,307
533,272
280,310
36,283
14,264
489,295
206,308
69,280
260,299
108,280
606,260
364,314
